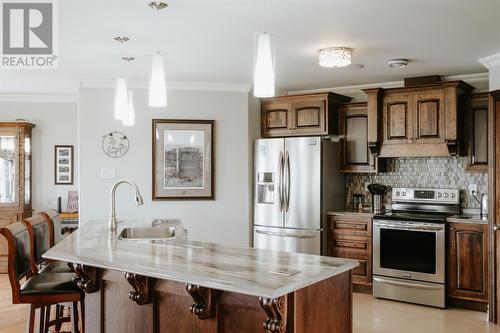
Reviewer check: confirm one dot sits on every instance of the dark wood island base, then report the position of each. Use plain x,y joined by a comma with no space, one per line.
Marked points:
127,302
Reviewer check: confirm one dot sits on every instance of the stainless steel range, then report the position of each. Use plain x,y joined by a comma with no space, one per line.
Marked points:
409,245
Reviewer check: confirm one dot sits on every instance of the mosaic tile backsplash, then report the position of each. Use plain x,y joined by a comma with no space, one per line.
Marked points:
431,172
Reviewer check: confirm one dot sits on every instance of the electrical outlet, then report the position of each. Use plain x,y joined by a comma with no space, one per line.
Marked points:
366,186
473,188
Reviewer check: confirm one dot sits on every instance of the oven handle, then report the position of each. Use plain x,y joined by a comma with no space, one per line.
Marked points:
408,227
406,284
279,234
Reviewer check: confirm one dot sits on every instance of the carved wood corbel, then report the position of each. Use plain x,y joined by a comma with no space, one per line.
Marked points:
204,301
85,278
276,311
142,293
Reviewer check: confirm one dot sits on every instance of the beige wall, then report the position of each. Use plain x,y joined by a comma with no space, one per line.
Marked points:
224,220
56,124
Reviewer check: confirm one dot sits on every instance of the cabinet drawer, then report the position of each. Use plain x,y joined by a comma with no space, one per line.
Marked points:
351,244
351,225
362,269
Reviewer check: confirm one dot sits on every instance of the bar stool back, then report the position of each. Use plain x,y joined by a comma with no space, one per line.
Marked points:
39,290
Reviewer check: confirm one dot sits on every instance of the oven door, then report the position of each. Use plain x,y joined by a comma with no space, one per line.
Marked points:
409,250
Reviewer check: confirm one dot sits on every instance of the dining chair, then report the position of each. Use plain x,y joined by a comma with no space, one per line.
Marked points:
40,289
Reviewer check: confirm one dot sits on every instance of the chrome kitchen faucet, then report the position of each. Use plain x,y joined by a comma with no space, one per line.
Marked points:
113,223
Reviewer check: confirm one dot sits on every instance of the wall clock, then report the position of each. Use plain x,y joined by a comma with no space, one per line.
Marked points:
115,144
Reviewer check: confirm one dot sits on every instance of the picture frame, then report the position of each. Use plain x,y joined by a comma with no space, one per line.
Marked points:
63,165
183,159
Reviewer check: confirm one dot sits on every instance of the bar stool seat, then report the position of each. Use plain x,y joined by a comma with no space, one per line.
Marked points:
47,283
57,267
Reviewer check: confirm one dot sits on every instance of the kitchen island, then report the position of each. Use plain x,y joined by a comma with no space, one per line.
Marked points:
187,286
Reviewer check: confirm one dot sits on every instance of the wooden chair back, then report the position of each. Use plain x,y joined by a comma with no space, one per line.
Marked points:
53,216
42,232
20,263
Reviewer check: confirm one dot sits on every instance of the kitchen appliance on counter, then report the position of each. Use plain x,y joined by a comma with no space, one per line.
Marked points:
378,192
483,203
409,245
297,181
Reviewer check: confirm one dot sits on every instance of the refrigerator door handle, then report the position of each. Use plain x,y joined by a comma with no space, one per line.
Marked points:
280,180
280,234
287,181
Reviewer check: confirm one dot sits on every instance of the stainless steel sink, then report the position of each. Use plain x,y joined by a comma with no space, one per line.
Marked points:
147,233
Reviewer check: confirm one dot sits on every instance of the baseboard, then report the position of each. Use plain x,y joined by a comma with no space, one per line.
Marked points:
467,304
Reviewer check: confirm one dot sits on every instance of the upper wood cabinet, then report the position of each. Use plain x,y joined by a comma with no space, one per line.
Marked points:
468,264
418,121
355,155
301,115
476,132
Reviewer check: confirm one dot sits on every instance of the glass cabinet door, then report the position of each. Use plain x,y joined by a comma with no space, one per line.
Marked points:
27,169
8,170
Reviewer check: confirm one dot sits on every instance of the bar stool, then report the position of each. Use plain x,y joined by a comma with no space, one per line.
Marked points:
42,228
40,290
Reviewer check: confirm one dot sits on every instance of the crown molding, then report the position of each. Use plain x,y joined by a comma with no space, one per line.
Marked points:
185,86
478,80
39,98
490,61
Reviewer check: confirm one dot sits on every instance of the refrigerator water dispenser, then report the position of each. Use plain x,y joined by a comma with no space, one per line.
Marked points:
265,187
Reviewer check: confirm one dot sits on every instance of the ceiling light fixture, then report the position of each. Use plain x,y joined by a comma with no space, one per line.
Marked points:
264,79
129,116
398,63
157,97
335,57
121,87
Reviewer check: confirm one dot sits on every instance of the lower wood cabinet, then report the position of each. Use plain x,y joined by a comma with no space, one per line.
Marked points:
350,236
467,281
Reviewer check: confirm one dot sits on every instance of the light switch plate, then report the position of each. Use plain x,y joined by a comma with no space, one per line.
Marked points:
108,173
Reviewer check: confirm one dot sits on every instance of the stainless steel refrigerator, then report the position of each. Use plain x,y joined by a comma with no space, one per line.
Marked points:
296,182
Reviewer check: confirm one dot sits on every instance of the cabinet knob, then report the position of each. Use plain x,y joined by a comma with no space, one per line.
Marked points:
452,228
496,227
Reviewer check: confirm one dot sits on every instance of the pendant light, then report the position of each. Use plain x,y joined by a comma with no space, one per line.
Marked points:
129,119
121,87
263,80
129,116
157,96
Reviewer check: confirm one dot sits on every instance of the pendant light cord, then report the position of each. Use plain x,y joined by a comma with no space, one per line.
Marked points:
264,11
157,30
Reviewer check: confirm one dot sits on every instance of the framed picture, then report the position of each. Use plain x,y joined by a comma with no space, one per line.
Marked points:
63,165
183,159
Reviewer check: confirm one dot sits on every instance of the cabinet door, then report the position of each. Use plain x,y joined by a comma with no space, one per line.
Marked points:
397,119
275,118
309,116
354,153
428,116
476,132
468,261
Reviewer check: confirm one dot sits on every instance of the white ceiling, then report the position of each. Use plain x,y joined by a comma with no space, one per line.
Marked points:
212,41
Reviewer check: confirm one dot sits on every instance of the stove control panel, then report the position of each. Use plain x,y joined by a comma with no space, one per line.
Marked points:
449,196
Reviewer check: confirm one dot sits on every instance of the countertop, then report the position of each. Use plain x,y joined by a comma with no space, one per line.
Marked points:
249,271
468,216
366,212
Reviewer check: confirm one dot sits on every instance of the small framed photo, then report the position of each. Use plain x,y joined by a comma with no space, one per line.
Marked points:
183,159
63,165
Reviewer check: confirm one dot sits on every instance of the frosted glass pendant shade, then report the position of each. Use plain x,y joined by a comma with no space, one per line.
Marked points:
121,98
263,80
157,82
129,119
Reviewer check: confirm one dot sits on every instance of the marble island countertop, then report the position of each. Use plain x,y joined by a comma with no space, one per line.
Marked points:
247,271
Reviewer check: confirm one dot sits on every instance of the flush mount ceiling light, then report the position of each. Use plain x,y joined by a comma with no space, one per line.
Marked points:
121,87
263,76
397,63
335,57
157,96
